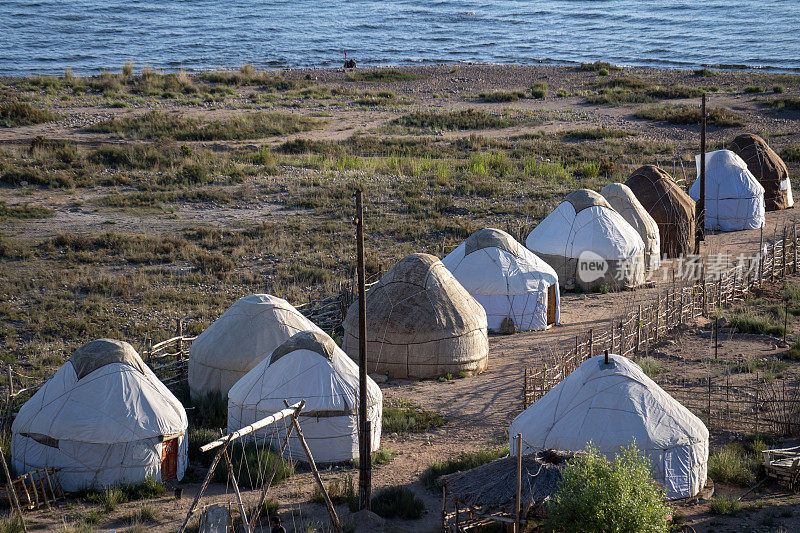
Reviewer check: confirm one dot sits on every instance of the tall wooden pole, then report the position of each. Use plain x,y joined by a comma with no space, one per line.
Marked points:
701,203
364,444
518,495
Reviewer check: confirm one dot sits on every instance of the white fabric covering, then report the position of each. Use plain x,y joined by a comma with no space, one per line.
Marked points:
329,419
565,234
238,340
624,202
507,283
103,429
610,406
734,197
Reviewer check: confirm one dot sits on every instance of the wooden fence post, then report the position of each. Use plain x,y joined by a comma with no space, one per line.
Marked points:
179,334
658,312
638,328
591,343
756,404
794,246
783,253
525,390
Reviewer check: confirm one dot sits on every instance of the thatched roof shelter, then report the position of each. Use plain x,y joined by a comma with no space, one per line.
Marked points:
492,487
768,168
421,323
669,205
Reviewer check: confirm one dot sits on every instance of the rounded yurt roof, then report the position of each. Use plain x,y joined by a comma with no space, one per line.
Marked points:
308,366
490,262
418,300
585,221
669,205
768,168
105,394
239,339
727,177
420,322
608,406
624,202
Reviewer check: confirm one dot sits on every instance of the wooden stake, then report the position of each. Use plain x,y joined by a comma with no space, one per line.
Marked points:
444,508
365,453
701,203
13,491
331,511
518,499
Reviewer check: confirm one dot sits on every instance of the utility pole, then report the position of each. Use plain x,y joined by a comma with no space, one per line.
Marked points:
364,436
700,208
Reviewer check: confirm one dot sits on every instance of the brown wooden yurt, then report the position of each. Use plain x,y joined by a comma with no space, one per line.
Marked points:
768,168
421,323
669,205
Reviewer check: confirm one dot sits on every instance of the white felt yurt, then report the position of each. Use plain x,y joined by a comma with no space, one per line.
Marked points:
610,405
734,197
589,244
421,323
104,419
309,366
507,279
240,339
624,202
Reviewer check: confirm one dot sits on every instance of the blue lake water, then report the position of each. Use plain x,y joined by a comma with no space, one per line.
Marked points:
90,35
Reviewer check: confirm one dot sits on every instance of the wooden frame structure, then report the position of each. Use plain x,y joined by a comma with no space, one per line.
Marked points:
291,411
783,465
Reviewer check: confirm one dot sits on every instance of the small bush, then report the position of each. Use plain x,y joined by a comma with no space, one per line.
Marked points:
502,96
403,416
384,75
705,72
731,465
787,104
24,211
723,505
650,366
467,119
749,323
793,353
397,502
10,524
684,114
596,133
144,514
778,89
110,499
539,90
753,89
210,411
602,72
464,461
338,492
596,495
14,113
597,66
791,154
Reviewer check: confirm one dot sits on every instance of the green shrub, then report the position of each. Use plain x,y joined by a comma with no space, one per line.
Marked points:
403,416
722,505
791,154
705,72
10,524
397,502
502,96
778,89
793,353
596,495
596,133
464,461
602,72
466,119
786,103
684,114
338,492
650,366
383,75
750,323
24,211
14,113
200,437
210,411
539,90
731,465
597,66
753,89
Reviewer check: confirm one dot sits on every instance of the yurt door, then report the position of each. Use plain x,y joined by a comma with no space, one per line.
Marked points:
169,460
551,305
